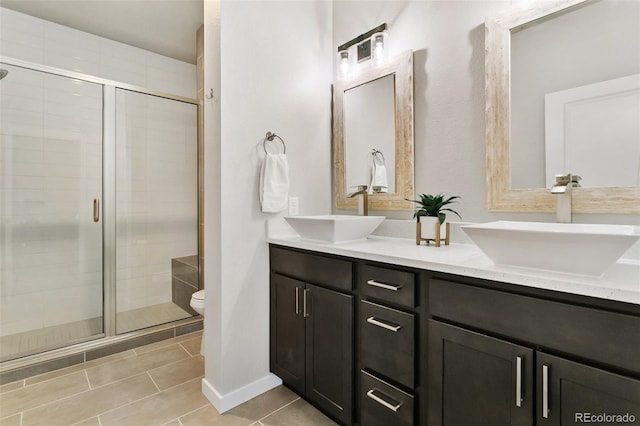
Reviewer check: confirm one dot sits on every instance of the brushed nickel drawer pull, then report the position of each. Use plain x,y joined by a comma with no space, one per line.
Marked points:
391,287
518,381
382,402
297,300
374,321
305,312
545,391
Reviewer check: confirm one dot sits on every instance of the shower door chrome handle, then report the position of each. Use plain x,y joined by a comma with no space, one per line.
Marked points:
96,210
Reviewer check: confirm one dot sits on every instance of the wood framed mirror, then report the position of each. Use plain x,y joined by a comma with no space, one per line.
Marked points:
373,110
503,193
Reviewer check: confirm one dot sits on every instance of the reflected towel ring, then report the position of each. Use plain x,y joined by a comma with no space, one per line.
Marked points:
377,154
269,137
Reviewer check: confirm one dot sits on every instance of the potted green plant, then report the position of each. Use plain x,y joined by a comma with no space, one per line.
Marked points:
430,216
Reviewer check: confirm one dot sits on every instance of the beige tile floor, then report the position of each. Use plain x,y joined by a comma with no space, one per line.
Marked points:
157,384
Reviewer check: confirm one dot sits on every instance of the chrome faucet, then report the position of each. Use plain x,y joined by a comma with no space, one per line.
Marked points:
362,190
562,188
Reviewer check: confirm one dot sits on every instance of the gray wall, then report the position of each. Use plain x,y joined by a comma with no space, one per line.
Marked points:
269,61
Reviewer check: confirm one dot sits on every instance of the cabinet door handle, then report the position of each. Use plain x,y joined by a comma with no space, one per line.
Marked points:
392,287
545,391
96,210
305,310
377,322
518,381
297,300
382,402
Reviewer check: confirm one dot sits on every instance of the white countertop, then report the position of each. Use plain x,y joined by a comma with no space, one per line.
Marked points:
620,283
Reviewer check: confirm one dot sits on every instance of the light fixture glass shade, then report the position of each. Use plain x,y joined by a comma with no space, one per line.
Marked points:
343,63
377,46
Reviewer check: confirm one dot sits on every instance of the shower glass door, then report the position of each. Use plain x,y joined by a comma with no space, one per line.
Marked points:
51,285
156,170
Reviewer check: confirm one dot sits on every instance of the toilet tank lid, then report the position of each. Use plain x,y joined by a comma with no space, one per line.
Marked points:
198,295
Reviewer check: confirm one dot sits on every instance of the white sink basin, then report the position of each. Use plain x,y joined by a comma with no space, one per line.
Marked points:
334,228
583,249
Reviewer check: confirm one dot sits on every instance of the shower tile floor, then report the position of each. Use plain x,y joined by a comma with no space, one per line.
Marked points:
28,342
157,384
148,316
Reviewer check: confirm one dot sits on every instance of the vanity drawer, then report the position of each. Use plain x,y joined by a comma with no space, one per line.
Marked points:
608,337
387,342
311,268
389,284
383,404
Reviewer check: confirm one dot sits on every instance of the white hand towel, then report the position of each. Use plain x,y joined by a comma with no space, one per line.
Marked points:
379,178
274,183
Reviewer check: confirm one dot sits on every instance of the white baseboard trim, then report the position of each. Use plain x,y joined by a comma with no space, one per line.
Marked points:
232,399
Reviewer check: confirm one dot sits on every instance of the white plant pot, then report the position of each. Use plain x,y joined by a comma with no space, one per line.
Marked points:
428,227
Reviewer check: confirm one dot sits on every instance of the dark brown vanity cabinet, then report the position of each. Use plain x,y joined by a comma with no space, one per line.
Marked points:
312,333
382,404
478,378
387,342
475,379
288,332
376,344
388,324
573,393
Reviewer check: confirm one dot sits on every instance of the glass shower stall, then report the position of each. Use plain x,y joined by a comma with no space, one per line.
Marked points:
98,209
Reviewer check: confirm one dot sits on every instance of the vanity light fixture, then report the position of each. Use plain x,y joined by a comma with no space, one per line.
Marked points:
343,58
378,46
369,45
364,50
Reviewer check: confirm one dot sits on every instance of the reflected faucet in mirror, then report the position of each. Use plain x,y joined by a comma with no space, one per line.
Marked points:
563,190
363,206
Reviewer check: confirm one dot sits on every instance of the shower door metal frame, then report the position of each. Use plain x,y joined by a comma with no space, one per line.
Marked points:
109,208
108,211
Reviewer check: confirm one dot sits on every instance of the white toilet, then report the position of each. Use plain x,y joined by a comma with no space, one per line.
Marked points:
197,304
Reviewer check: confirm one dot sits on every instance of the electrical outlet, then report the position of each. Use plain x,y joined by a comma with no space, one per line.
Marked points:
294,204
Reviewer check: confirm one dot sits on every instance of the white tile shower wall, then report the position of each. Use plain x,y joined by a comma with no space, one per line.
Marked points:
35,40
21,36
156,195
50,170
45,129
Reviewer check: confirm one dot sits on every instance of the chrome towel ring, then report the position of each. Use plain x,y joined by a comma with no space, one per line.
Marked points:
269,137
378,157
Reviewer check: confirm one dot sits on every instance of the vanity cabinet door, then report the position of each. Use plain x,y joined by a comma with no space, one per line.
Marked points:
477,380
287,351
570,393
329,343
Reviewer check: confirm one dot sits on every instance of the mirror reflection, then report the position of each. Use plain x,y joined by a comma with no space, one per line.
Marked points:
369,135
575,96
522,138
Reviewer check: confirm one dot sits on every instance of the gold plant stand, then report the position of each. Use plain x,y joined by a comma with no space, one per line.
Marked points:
437,240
